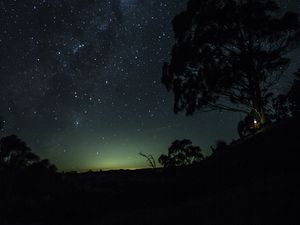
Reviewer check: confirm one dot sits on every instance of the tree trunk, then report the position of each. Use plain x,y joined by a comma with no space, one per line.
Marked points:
259,111
257,100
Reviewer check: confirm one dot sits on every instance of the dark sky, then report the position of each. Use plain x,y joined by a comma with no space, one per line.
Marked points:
80,82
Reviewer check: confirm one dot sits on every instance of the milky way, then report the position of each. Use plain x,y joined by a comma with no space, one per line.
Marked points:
80,82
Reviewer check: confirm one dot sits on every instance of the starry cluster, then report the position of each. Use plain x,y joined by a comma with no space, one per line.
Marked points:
80,81
66,55
85,68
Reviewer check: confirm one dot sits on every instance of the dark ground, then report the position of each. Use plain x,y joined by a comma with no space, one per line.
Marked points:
254,181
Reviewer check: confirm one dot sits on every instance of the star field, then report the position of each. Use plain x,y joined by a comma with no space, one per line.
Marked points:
80,82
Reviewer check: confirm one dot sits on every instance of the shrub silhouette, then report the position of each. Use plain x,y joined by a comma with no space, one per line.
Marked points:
150,159
181,153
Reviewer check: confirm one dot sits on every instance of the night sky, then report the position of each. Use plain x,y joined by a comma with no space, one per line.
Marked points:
80,82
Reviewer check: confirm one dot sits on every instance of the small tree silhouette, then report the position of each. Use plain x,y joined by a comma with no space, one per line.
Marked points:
150,159
181,153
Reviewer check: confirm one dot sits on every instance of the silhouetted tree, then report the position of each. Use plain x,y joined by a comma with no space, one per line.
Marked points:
285,106
45,164
14,153
150,159
228,55
22,172
164,160
281,108
181,153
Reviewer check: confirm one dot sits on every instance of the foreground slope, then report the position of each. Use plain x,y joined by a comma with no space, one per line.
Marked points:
253,181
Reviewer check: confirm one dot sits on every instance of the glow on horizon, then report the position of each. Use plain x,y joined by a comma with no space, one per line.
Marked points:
109,156
107,169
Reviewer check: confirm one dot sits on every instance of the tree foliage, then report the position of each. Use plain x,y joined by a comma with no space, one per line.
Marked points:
14,153
281,108
287,105
229,54
22,174
181,153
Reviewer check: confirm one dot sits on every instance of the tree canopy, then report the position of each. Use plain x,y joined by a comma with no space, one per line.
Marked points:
287,105
181,153
229,54
15,153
